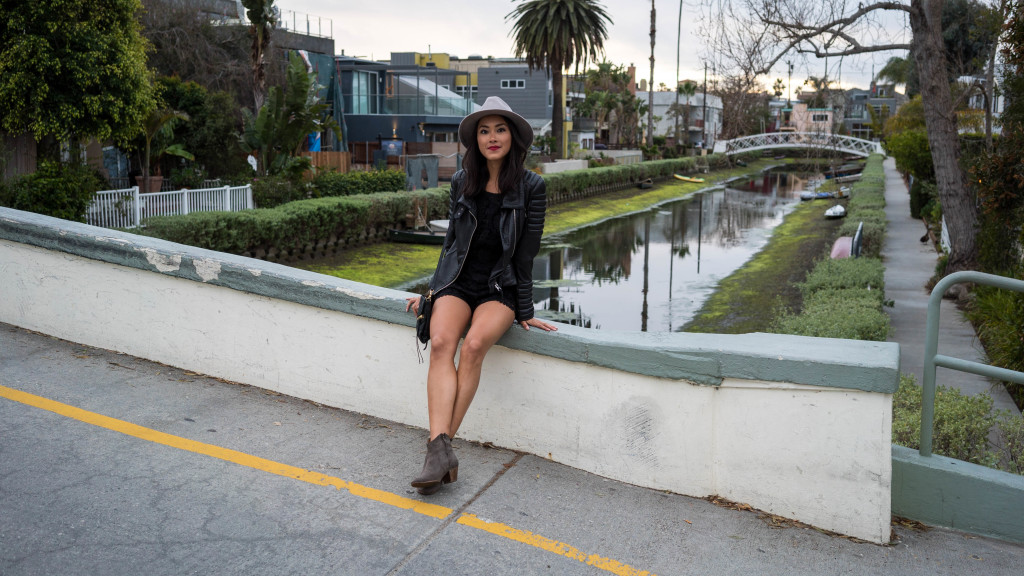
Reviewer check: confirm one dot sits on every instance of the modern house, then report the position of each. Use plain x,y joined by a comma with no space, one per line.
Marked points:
880,100
410,98
705,117
802,118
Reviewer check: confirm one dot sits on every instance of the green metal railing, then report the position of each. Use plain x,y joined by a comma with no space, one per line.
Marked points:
932,359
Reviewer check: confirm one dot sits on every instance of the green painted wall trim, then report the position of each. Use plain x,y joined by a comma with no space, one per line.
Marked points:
699,358
969,497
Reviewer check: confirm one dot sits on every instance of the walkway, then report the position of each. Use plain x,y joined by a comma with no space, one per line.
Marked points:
909,264
114,465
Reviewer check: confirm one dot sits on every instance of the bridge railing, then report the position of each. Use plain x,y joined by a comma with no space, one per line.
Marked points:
770,140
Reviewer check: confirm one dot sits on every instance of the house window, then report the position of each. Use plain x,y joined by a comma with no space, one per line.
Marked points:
513,83
819,118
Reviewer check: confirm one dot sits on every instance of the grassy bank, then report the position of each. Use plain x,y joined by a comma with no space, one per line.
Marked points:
394,265
749,300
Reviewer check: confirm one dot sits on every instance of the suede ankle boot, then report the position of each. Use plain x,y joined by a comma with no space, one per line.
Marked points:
440,466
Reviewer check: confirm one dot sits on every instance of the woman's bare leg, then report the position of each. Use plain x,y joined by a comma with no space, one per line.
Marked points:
448,322
490,321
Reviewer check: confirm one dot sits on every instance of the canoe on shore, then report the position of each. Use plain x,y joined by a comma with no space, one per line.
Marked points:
688,178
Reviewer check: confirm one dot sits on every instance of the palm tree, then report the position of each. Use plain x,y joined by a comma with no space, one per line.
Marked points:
688,89
553,35
261,20
896,70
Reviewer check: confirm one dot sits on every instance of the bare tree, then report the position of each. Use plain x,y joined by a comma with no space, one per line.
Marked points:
768,29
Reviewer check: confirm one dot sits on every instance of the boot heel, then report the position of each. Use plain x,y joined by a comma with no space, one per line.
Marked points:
452,476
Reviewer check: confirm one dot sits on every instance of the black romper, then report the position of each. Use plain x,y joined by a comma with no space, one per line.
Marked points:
471,285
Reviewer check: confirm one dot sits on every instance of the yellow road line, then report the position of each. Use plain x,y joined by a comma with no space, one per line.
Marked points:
228,455
257,463
553,546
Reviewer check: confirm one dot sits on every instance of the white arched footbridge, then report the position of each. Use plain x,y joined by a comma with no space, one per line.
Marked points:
773,140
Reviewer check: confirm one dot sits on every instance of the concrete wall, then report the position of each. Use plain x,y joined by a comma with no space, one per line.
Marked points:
794,426
563,166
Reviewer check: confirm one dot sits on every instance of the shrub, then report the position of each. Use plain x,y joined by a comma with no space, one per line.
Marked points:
55,189
191,177
866,273
330,183
961,424
997,316
852,314
271,191
921,193
1011,453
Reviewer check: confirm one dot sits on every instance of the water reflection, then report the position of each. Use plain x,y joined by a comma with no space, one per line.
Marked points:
652,271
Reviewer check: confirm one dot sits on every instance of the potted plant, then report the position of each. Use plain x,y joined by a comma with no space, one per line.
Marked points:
158,131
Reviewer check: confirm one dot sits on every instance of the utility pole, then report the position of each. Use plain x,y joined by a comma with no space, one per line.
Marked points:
704,114
679,34
789,85
650,89
789,88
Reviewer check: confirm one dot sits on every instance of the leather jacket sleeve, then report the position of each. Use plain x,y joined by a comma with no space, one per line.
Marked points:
449,236
529,243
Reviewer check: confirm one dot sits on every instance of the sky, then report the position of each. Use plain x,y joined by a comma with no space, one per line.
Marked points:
462,28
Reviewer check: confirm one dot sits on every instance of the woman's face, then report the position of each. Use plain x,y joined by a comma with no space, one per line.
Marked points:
493,137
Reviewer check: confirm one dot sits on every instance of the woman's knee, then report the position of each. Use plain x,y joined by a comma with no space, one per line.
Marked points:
474,348
444,344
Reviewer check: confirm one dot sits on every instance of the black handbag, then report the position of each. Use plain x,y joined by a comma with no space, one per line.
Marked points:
423,318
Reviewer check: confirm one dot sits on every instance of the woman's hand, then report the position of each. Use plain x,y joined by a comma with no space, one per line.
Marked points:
413,304
538,323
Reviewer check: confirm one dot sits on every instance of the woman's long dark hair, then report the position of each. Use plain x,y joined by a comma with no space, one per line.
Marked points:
511,167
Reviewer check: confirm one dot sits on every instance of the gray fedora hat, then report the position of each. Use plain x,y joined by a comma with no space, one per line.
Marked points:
494,105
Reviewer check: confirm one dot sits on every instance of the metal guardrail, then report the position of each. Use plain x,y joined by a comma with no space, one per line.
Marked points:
127,208
932,359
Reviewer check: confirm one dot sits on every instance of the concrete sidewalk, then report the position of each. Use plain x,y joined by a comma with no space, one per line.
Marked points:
115,465
909,264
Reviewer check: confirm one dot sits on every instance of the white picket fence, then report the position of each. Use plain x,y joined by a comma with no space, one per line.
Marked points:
127,208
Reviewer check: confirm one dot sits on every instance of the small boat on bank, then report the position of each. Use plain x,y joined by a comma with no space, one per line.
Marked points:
688,178
416,236
836,211
810,195
847,178
645,184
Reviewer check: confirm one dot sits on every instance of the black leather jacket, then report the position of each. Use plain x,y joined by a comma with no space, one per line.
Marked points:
522,223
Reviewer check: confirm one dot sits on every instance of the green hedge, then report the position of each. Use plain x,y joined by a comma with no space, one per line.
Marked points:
272,191
854,314
576,184
298,225
846,273
330,183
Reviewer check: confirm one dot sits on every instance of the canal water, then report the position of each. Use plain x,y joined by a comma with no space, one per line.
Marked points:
653,270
